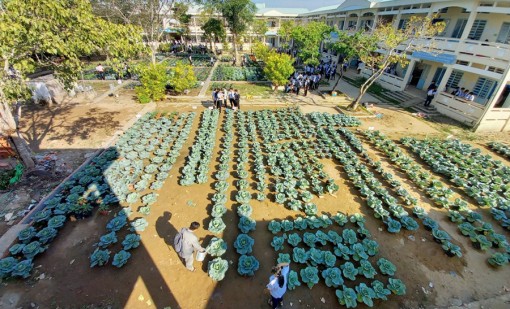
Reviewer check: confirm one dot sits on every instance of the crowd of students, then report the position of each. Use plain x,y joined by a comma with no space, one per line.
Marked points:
222,96
311,77
464,94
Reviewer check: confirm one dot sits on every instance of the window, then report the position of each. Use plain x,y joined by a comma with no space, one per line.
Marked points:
484,88
352,24
459,28
443,10
496,70
341,25
477,29
402,23
454,79
504,34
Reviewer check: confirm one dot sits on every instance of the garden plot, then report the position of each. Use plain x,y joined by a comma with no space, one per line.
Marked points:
341,218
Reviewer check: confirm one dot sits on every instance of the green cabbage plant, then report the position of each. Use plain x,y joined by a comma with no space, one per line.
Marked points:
300,255
386,267
396,286
347,297
120,258
244,210
498,259
310,239
309,275
6,266
349,271
216,247
294,239
247,266
293,280
246,224
99,257
366,269
217,268
244,244
283,258
216,225
107,239
365,294
333,277
131,241
380,291
22,269
278,242
275,227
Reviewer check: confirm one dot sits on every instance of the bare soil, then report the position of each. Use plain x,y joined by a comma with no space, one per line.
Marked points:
156,278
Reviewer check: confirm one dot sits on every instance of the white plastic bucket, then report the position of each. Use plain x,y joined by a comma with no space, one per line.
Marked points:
201,256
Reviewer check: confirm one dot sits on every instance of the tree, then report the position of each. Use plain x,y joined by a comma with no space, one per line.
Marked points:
154,80
278,68
54,34
259,28
386,45
308,38
285,32
214,31
182,77
147,14
261,51
180,11
238,14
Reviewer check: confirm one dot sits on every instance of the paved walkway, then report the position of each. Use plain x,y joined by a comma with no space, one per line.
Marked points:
207,82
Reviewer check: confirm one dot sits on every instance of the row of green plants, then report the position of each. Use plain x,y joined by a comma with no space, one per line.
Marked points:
218,267
500,148
258,156
482,178
86,190
247,264
375,188
159,148
228,73
424,180
343,259
197,60
394,216
201,73
196,169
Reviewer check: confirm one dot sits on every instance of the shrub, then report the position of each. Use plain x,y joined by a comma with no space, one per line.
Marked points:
182,77
154,80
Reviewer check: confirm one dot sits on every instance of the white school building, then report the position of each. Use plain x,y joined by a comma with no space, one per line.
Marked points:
473,51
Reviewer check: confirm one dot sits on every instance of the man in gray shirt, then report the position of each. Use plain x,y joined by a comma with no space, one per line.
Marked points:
186,243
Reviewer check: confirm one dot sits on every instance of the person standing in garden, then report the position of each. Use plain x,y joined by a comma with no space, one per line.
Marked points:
100,71
278,284
231,97
219,99
186,243
237,99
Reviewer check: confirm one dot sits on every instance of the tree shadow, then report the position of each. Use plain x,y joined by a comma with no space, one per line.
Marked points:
57,121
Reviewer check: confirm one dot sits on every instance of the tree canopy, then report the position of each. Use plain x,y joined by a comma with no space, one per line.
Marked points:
308,38
214,31
259,27
285,31
278,67
387,45
54,35
237,13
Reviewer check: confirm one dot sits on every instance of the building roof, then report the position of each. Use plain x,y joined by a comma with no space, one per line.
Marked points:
281,11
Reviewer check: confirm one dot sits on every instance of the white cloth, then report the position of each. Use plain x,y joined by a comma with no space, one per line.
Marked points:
273,286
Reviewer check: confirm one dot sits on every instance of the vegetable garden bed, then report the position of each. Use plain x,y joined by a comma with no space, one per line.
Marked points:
268,185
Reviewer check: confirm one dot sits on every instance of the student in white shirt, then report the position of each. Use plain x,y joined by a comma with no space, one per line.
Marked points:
470,96
278,284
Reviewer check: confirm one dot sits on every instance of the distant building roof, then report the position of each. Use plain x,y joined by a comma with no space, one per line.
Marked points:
281,11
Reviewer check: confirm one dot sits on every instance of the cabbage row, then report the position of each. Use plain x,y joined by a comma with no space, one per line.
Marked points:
468,222
196,169
218,267
376,188
247,263
341,258
500,148
163,148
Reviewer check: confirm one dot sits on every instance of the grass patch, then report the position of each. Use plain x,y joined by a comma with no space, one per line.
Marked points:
376,89
245,89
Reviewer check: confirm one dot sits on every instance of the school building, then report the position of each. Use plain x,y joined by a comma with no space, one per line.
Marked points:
473,52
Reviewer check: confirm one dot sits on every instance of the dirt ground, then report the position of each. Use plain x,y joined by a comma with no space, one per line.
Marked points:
155,277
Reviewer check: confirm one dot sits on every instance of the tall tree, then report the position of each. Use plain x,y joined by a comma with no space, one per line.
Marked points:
54,34
308,39
214,31
147,14
180,12
285,32
238,15
386,45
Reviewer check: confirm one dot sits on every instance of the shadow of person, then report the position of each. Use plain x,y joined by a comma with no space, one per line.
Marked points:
165,229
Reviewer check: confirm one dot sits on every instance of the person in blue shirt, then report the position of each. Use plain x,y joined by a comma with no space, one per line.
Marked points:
277,285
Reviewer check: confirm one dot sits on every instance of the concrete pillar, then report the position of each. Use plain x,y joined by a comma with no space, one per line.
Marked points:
470,21
409,71
358,21
396,21
345,22
446,76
